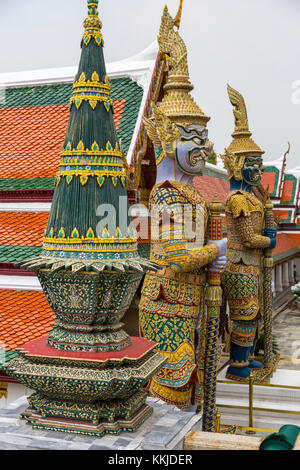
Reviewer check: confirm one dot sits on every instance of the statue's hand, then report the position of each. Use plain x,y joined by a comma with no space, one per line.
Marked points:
222,245
218,265
270,232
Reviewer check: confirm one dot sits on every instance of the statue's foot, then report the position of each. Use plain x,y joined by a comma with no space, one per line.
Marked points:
239,374
255,364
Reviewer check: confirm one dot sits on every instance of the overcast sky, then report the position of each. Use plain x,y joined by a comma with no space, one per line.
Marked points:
254,45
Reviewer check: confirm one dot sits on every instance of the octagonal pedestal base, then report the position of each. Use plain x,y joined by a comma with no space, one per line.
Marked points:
95,412
87,428
94,419
86,393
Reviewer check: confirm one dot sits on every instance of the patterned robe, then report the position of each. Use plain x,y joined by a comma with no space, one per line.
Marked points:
172,302
242,278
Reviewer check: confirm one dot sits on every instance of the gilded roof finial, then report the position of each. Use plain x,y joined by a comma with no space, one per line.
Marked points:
178,16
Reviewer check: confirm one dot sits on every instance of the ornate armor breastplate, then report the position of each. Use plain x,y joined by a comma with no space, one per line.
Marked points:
183,205
247,205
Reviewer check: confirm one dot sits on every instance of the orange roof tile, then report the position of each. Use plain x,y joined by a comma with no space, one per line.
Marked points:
284,243
295,237
15,329
22,228
31,139
118,112
209,186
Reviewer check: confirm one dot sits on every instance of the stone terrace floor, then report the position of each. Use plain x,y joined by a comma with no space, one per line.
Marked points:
164,430
286,330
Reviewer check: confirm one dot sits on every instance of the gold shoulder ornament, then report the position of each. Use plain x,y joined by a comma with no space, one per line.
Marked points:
233,163
237,204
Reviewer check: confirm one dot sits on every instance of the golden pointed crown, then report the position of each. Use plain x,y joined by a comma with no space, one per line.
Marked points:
177,103
242,144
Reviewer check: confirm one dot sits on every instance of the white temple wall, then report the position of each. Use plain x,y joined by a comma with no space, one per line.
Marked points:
14,391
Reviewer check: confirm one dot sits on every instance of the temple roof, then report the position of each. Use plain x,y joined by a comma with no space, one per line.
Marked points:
285,247
33,125
213,181
21,235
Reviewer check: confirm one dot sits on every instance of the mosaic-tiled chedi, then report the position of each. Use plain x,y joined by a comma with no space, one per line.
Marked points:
88,373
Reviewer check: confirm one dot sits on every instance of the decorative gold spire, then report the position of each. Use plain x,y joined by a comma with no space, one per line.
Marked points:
92,25
177,103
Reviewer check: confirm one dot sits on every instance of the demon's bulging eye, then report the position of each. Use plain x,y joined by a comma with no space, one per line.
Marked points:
198,141
253,162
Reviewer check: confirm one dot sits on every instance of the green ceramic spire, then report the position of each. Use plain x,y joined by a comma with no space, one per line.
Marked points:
81,385
88,225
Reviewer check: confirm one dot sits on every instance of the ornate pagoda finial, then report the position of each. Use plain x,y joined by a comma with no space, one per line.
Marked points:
93,7
177,103
92,24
